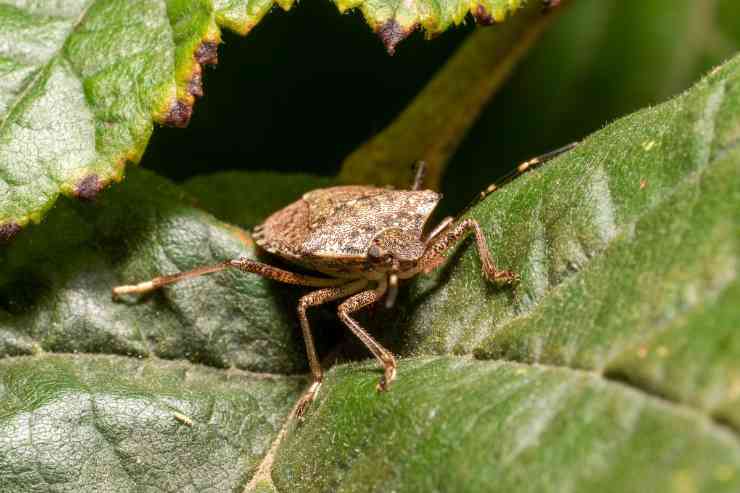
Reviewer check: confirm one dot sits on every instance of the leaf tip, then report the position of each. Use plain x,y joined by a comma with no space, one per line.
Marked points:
8,232
391,33
89,188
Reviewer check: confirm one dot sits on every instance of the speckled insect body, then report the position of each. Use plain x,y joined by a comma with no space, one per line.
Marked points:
363,240
338,231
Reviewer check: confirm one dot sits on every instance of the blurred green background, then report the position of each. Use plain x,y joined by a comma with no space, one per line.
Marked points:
308,86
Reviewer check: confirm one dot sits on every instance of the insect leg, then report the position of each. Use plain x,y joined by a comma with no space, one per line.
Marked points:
355,303
243,264
316,298
434,255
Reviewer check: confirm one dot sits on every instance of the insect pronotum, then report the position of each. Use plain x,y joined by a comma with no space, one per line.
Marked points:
362,240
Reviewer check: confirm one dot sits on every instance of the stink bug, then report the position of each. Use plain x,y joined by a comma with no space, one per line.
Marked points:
363,240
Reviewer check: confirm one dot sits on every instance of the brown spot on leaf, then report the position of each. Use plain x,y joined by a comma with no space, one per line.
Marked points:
550,4
8,232
207,53
179,115
391,33
482,16
195,85
89,188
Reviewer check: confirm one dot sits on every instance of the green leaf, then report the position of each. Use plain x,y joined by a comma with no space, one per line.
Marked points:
618,352
456,424
92,423
625,238
82,82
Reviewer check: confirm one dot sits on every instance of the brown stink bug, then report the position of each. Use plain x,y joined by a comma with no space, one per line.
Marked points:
363,240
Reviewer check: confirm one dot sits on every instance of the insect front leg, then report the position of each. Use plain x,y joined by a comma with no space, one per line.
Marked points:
355,303
434,255
316,298
242,264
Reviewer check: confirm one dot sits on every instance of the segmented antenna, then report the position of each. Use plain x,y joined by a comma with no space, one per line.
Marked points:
519,171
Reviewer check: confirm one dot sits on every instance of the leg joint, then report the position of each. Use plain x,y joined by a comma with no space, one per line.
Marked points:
311,299
343,314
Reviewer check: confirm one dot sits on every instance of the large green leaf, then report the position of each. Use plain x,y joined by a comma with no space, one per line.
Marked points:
101,423
617,352
456,424
626,244
121,423
81,82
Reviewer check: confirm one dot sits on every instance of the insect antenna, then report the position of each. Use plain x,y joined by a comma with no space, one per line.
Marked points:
528,165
